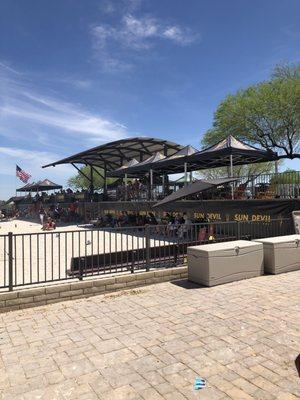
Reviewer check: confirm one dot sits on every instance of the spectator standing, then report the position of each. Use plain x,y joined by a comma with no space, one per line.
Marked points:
42,214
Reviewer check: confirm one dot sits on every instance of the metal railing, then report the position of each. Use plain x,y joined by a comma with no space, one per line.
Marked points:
36,258
283,185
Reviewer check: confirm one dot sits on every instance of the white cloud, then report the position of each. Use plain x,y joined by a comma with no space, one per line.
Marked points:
121,6
179,35
19,101
6,67
111,44
75,82
69,117
136,31
37,128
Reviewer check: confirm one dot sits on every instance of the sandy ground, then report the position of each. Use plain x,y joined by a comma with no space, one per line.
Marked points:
46,256
20,226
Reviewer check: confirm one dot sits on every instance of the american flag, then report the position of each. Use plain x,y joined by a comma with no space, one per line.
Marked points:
22,175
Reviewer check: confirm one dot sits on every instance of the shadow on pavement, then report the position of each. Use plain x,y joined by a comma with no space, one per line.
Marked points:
184,283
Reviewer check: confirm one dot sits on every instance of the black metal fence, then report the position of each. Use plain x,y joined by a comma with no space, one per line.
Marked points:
35,258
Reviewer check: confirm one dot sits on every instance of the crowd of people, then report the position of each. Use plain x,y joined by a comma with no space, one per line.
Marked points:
43,197
50,216
134,190
169,224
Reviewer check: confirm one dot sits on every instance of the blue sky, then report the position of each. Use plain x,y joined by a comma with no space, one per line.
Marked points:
78,73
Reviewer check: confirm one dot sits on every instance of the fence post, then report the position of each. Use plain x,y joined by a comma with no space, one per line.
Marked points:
147,237
238,230
10,261
80,268
133,261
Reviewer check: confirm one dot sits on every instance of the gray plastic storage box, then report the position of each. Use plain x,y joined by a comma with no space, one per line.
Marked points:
281,253
296,219
217,263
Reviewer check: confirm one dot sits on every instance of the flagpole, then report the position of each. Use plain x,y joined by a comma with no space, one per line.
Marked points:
16,180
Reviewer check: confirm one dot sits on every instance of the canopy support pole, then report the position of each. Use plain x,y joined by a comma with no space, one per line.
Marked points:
185,174
165,176
191,176
97,172
231,176
151,184
105,182
126,187
92,181
276,167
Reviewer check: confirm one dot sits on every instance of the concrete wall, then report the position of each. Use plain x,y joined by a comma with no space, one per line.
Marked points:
39,296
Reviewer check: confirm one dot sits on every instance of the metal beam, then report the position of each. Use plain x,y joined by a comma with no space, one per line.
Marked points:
92,180
82,173
231,175
105,182
97,172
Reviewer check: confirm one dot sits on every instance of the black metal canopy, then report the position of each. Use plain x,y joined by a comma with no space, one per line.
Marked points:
113,155
157,162
193,188
129,164
218,155
43,185
26,188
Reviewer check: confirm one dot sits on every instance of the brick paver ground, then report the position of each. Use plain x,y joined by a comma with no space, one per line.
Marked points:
153,342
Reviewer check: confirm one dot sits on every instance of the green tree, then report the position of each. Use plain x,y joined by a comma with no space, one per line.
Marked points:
286,71
266,114
79,181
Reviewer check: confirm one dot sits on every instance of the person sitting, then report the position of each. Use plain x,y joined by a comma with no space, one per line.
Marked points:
49,225
151,219
123,219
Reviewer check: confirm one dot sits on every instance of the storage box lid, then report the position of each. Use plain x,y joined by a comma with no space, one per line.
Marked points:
235,247
278,240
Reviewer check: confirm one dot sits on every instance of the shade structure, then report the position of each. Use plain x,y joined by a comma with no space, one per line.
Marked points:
120,172
27,187
174,163
43,185
219,155
157,162
186,151
194,188
140,168
113,155
46,184
129,164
